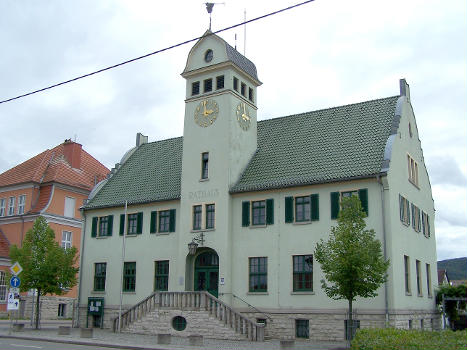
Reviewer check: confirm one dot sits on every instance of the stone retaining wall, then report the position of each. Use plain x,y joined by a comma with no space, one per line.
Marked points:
49,307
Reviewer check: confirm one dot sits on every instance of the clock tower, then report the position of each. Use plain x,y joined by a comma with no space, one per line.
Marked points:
219,140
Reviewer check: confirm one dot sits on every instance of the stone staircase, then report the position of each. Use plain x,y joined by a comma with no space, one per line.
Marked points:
205,315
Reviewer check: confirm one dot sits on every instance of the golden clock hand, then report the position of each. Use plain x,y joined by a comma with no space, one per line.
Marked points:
209,111
204,105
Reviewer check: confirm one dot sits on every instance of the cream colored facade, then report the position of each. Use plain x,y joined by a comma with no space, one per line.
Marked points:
230,150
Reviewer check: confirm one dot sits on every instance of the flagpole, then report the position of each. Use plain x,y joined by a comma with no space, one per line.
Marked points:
122,267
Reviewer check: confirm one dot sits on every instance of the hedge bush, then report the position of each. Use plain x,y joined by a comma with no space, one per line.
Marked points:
402,339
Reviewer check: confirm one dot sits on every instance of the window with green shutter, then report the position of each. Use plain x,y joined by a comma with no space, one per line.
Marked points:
302,208
102,226
164,221
261,212
337,196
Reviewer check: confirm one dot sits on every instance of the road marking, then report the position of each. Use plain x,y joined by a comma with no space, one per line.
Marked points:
27,346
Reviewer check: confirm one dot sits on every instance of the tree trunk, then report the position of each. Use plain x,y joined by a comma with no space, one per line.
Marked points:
37,308
350,323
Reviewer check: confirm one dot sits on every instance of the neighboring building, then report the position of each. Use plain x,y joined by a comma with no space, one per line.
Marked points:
256,197
54,185
443,277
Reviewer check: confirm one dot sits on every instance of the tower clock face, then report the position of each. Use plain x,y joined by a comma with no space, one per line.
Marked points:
206,113
243,116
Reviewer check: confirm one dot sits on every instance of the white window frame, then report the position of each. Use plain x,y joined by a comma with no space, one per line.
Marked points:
404,210
428,280
67,242
21,204
418,269
69,207
426,224
2,206
3,287
407,286
11,206
416,221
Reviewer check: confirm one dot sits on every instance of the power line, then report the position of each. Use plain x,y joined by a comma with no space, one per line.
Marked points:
155,52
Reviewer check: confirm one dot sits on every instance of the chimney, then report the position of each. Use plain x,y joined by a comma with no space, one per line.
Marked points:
72,153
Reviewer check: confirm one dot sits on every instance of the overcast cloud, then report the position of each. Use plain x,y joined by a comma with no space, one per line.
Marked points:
324,54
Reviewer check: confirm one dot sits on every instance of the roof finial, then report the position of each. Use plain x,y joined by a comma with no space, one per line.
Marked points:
209,6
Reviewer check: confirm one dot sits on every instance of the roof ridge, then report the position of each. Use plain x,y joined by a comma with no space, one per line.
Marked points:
327,109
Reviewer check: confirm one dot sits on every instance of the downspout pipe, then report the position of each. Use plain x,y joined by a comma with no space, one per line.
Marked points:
383,217
81,253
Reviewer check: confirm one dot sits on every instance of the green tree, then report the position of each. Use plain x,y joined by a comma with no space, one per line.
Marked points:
452,307
352,258
47,267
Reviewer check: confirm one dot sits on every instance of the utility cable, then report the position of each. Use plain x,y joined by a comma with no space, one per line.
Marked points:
155,52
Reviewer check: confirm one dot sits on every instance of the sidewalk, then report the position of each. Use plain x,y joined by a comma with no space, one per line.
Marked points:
106,338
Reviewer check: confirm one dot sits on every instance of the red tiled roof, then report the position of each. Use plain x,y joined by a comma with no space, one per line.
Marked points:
52,166
44,197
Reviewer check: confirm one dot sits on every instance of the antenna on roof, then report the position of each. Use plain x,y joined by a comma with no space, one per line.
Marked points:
209,6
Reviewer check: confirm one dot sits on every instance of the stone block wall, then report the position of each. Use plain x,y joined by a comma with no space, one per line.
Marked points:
49,307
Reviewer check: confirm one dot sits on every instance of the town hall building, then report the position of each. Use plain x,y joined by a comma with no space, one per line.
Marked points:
213,233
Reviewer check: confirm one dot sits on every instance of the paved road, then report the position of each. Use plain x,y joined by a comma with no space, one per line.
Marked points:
21,344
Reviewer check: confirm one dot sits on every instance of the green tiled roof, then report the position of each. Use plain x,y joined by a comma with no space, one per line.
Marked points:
152,173
320,146
316,147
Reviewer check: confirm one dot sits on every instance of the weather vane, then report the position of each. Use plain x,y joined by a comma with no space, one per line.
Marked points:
209,6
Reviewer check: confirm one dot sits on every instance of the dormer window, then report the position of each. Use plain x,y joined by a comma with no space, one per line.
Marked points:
235,84
207,85
219,82
195,88
243,89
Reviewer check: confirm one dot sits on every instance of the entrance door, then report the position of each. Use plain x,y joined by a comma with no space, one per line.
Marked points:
207,273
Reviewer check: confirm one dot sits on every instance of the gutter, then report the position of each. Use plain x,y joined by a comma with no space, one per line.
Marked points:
386,301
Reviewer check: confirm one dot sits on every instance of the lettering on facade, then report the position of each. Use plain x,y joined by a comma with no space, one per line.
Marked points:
203,194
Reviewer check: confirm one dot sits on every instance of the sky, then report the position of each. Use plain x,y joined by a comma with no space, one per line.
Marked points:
323,54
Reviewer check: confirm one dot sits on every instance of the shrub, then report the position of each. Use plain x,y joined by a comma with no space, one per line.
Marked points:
401,339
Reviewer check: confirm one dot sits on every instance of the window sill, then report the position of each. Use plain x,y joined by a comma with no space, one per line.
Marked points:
102,237
258,226
203,230
409,294
129,292
405,223
203,180
98,292
420,295
303,293
413,183
302,222
161,233
430,296
257,293
131,235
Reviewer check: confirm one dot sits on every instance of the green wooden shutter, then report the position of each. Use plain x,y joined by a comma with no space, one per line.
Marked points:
153,226
122,223
363,195
172,220
139,223
288,210
270,211
94,226
335,205
245,213
314,199
110,224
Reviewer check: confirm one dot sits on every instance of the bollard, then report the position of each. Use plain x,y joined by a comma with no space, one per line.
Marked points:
64,330
86,332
